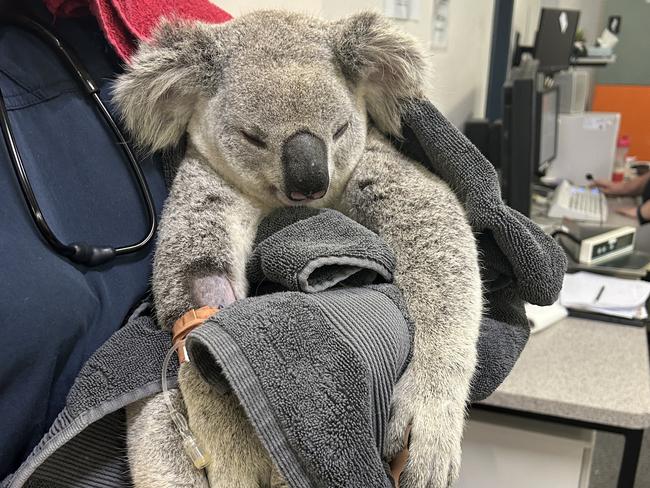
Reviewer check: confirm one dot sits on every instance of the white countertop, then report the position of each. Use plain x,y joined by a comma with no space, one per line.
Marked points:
584,370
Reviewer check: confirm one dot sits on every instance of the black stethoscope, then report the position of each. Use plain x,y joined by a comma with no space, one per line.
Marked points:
77,252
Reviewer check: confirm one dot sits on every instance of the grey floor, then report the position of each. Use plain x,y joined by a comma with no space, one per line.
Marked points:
607,459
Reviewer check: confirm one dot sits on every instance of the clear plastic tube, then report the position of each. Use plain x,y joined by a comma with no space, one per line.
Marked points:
165,369
198,455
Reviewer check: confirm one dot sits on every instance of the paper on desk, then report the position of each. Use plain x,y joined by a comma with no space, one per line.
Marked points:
638,313
539,318
620,297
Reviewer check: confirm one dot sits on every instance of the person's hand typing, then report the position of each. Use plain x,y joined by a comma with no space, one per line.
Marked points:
628,188
608,187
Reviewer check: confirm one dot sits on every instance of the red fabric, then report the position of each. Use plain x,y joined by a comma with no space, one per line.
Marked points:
67,8
125,22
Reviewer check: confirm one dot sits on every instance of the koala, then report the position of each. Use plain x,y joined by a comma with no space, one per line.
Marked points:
280,109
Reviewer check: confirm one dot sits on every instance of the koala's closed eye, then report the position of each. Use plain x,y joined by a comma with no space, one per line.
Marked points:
341,130
253,139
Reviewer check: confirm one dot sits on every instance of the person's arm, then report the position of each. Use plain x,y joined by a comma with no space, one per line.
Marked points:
631,188
642,212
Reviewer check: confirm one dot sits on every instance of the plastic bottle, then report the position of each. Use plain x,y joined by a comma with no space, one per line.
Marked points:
622,147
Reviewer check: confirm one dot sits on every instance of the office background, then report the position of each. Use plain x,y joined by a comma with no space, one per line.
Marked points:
459,72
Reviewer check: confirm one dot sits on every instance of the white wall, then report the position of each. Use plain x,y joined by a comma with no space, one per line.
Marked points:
238,7
457,82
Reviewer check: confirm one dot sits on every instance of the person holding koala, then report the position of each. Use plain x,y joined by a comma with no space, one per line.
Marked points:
277,116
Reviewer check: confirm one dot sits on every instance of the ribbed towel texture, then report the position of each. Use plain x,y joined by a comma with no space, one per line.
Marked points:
314,371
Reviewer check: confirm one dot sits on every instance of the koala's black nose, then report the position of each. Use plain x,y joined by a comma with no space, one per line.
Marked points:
306,176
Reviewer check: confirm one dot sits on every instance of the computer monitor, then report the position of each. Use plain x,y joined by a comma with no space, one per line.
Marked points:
554,39
530,138
548,103
518,157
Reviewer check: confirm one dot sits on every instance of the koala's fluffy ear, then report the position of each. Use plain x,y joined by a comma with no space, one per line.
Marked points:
158,92
386,63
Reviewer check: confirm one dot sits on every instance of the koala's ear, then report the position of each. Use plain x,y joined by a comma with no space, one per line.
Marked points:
386,63
158,92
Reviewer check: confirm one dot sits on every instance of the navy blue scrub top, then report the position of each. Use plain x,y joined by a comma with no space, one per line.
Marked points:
54,314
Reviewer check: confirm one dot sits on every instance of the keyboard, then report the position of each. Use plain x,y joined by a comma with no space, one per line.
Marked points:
578,203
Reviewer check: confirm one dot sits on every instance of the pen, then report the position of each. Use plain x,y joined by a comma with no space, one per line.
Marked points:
600,293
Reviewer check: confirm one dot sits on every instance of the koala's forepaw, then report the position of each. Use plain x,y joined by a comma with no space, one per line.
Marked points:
434,441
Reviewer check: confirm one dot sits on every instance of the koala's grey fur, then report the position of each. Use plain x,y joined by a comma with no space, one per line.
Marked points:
273,74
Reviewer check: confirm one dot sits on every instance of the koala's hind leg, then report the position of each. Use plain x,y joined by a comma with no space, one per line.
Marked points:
155,450
237,457
277,481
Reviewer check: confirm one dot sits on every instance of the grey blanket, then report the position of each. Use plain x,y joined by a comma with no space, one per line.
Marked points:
314,372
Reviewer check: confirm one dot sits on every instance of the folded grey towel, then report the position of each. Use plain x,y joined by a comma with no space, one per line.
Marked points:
519,262
314,371
315,375
304,249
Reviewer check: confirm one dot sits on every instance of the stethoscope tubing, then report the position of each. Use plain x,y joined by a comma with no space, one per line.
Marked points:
80,253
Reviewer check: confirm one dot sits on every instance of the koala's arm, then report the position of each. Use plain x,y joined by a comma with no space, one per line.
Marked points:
205,235
204,239
438,274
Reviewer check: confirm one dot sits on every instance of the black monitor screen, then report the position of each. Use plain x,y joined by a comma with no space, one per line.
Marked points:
547,136
554,40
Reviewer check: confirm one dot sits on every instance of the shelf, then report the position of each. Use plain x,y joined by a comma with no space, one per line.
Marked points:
593,61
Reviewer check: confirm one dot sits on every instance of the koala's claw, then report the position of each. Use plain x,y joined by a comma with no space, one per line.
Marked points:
434,442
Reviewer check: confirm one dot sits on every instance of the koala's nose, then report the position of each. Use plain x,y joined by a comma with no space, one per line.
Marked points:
306,176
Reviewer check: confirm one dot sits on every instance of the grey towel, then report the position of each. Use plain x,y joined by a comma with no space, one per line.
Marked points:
85,446
303,249
519,262
314,372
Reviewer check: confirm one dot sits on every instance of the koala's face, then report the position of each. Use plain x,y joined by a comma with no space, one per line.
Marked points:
277,103
287,134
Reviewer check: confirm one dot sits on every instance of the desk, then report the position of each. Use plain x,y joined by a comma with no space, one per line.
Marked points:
538,213
584,373
593,371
